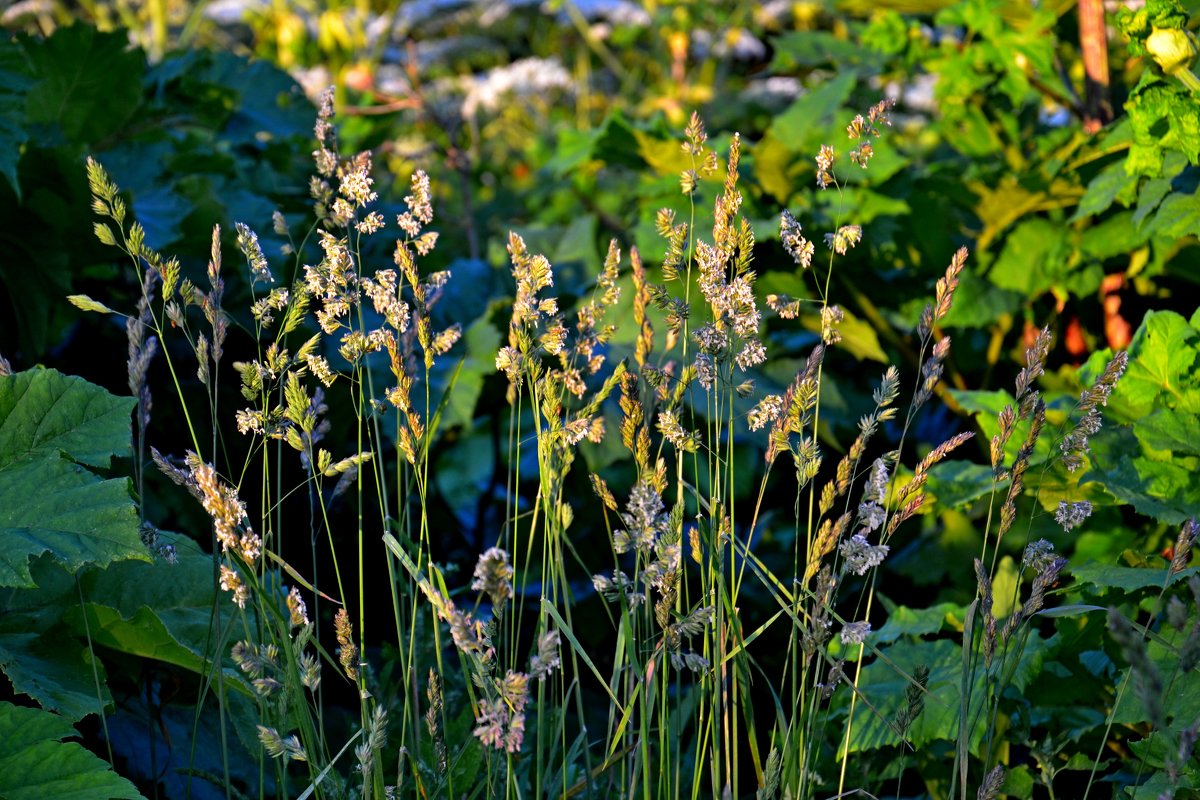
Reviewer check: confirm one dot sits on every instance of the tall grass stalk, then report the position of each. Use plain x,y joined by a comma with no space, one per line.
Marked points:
677,668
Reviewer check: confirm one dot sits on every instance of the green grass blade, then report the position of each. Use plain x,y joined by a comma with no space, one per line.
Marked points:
566,631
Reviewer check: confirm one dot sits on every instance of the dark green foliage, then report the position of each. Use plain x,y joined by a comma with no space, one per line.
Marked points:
196,139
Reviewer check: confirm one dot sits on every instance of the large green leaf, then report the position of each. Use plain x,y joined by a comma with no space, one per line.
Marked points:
614,142
1164,362
36,764
52,427
1183,703
1164,489
1169,435
54,669
978,303
481,340
1163,117
809,118
269,103
160,610
40,655
986,407
859,339
1150,462
1162,366
1102,190
89,83
1034,258
184,755
44,411
1178,217
883,684
957,483
904,621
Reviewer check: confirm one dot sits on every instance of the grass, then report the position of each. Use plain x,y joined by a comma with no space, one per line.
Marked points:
603,645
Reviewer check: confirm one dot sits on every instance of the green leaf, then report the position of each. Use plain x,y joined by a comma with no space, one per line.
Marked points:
1102,190
971,131
1182,704
775,169
1115,237
143,633
1034,257
1160,784
39,654
1178,217
55,670
481,341
1164,117
820,48
89,83
161,212
1018,782
1169,436
43,412
978,303
36,764
986,407
805,121
1116,576
614,142
1162,363
574,149
905,621
886,32
578,244
883,684
958,483
53,426
989,403
1150,197
14,82
1006,581
269,104
1164,490
467,762
159,610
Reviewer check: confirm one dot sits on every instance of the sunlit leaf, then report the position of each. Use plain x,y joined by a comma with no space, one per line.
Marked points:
1102,190
809,117
905,621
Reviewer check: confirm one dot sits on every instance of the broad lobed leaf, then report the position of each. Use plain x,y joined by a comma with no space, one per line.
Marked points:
53,427
36,764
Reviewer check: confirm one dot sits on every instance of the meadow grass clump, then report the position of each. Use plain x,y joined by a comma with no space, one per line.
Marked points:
602,646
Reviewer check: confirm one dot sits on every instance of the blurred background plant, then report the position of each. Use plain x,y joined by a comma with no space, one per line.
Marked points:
553,118
1056,140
